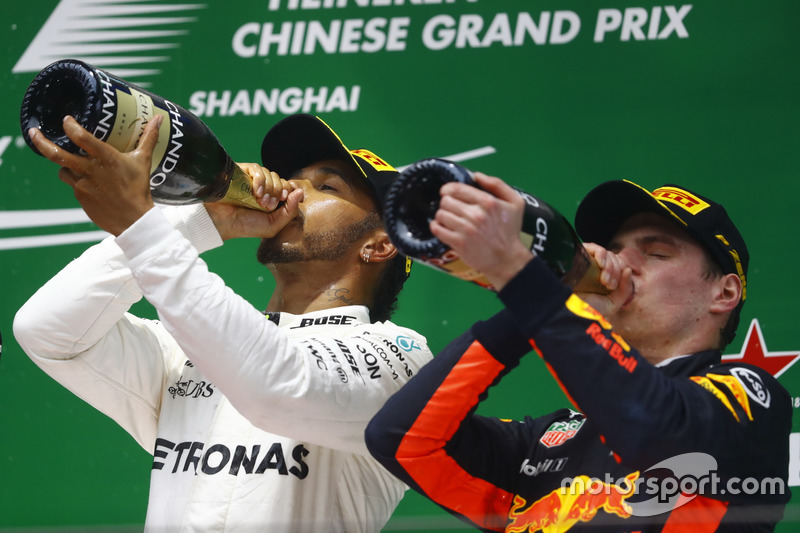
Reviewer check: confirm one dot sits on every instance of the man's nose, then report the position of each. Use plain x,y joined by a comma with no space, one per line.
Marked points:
300,184
632,258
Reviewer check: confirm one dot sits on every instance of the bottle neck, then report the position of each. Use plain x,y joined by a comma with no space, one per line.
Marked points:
239,191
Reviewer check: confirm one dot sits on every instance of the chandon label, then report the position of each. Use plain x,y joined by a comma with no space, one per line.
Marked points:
173,155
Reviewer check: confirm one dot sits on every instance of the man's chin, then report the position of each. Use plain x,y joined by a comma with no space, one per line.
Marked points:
274,252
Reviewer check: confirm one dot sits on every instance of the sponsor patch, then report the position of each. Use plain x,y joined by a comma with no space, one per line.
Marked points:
229,459
619,351
684,200
564,507
718,394
547,465
736,388
329,320
560,432
753,385
376,162
406,343
578,307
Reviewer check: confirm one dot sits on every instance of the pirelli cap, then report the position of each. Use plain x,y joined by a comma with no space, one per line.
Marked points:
301,140
602,212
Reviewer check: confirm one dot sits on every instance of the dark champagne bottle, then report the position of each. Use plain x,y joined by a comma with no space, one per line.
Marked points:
189,163
412,202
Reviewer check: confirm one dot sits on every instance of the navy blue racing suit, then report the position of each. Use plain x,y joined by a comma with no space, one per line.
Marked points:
692,445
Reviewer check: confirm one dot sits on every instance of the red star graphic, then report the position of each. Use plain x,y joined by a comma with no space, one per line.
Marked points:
754,351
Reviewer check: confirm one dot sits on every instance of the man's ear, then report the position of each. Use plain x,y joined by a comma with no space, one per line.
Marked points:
378,248
727,293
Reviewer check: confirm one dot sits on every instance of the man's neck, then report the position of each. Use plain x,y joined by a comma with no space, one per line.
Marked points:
656,356
299,289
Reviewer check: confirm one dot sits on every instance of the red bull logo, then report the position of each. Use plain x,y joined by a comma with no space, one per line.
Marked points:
561,509
578,307
617,350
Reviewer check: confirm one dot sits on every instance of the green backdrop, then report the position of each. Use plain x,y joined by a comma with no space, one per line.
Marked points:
553,96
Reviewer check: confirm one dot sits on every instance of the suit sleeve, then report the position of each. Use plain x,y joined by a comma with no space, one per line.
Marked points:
645,415
428,434
271,378
77,329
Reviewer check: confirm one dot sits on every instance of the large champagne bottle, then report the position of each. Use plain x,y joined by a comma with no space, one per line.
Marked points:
412,202
189,163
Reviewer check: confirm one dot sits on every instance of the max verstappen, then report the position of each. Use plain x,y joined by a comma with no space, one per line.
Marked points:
664,437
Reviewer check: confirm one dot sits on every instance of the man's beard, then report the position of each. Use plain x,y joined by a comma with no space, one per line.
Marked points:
330,245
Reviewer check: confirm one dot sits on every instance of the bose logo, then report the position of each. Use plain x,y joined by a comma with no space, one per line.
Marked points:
331,320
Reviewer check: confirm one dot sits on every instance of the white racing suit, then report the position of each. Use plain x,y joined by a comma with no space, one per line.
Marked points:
282,448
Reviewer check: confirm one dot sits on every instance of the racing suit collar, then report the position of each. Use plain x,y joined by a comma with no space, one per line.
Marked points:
688,365
357,313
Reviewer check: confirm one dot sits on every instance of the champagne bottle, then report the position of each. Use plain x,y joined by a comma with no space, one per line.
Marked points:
412,202
189,163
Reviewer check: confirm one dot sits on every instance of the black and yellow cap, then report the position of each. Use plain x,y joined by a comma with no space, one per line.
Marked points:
607,206
301,140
